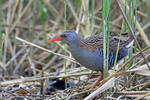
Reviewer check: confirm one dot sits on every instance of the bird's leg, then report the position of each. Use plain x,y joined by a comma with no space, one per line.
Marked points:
100,78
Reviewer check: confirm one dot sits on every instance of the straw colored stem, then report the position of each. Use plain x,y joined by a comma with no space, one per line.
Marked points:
33,79
118,1
63,56
139,28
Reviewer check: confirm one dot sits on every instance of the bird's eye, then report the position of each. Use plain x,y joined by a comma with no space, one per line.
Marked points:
63,36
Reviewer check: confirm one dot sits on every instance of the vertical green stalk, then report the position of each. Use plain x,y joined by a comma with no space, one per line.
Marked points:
42,12
115,62
116,56
92,15
131,21
130,13
107,39
105,18
104,37
2,38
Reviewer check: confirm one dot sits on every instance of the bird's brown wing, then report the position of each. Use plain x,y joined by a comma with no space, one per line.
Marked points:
96,41
125,40
93,42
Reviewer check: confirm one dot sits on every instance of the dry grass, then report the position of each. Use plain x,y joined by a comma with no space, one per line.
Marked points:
28,66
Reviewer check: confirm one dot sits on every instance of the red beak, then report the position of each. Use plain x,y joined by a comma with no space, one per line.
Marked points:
55,39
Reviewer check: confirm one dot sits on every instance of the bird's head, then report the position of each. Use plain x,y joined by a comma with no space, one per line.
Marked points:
68,37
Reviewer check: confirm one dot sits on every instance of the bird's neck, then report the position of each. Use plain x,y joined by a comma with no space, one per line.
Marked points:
77,45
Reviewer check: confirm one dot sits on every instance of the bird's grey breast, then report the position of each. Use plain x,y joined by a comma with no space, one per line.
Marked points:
88,58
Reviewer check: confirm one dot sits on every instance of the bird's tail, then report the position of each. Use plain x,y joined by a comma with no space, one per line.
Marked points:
130,44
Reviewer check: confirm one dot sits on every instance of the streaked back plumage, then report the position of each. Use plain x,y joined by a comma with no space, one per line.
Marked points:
96,41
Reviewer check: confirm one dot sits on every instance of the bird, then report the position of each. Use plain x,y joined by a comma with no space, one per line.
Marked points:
89,51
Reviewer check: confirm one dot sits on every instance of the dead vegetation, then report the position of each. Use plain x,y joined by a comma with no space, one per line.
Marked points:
32,69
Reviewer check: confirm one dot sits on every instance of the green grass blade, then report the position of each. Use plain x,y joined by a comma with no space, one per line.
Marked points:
105,18
42,12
